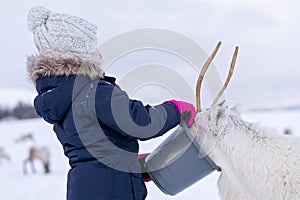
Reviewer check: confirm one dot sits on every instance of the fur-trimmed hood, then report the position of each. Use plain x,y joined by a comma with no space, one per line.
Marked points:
53,64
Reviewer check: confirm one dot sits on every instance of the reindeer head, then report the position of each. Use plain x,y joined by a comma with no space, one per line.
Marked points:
211,124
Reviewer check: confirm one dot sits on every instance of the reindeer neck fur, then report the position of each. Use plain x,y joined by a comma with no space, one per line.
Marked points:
251,155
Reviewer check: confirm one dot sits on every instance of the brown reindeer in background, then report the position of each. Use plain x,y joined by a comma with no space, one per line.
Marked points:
37,153
25,137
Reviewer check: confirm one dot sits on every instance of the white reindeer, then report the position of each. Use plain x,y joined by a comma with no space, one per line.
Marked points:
257,163
37,153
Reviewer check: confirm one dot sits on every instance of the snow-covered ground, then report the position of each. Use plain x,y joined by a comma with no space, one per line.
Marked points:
15,185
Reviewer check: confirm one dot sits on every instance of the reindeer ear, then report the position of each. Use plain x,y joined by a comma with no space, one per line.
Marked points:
218,115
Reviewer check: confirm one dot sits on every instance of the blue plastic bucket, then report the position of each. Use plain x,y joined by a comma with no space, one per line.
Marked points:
178,162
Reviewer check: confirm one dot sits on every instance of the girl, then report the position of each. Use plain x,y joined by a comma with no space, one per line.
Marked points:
96,122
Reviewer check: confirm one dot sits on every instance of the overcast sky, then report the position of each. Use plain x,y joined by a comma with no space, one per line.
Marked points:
267,32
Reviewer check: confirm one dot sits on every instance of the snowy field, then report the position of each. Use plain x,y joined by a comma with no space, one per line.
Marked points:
15,185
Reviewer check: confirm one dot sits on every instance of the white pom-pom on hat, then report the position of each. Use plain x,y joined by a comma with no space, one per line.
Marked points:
37,16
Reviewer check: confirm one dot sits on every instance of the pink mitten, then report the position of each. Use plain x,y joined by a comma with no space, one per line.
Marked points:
145,175
187,111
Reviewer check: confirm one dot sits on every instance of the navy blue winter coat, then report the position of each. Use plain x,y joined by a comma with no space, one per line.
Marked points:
99,128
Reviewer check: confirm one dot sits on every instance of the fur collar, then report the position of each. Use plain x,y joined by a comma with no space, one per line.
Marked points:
62,65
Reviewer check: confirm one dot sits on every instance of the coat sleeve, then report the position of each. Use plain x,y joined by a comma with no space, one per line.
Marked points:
130,117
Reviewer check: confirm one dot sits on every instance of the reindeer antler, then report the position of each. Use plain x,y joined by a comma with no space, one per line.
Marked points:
201,76
203,71
232,65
